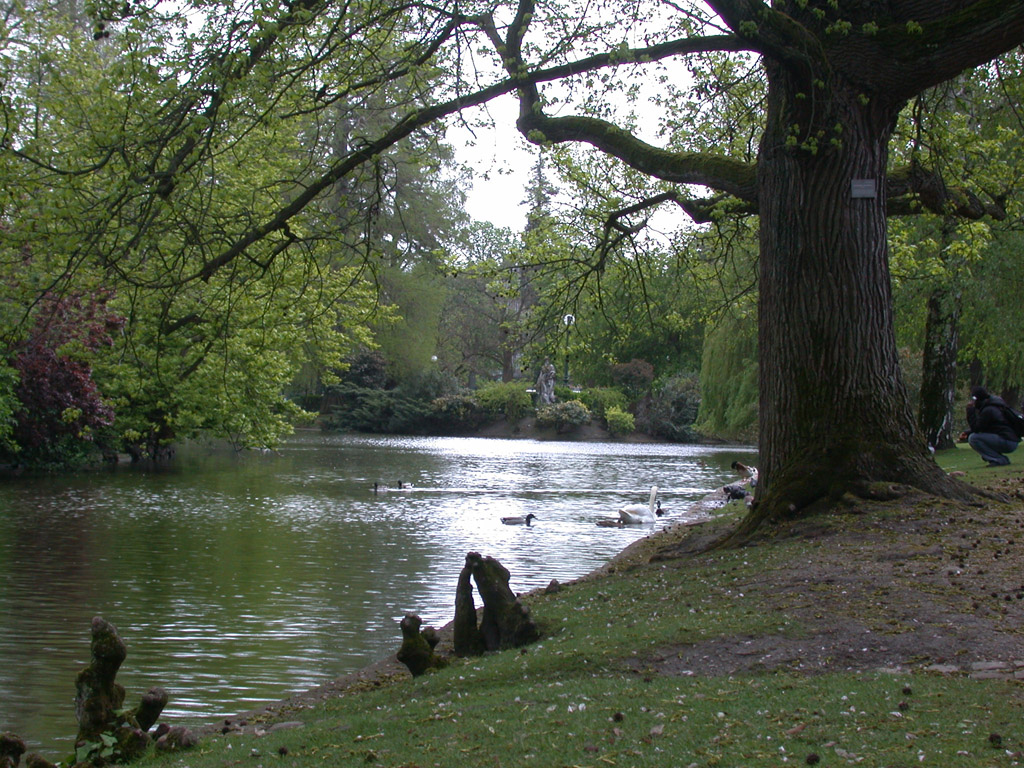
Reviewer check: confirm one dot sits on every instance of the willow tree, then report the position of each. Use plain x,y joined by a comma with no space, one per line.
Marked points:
834,413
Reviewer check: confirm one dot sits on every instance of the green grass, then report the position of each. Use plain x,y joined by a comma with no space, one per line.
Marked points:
583,695
469,718
965,459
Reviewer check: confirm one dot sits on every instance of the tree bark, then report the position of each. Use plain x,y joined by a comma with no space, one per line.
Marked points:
834,411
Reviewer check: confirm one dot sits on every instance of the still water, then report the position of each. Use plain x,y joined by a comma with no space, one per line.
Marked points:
236,580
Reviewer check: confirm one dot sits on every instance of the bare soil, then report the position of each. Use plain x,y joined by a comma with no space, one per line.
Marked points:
915,582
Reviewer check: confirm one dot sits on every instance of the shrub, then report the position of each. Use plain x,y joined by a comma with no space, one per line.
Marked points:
634,377
456,413
510,399
563,416
673,409
56,405
367,368
619,421
429,384
357,409
600,399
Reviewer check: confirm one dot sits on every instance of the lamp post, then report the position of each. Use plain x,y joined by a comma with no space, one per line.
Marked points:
568,320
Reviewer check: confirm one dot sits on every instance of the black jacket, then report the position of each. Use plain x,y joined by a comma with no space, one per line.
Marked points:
987,416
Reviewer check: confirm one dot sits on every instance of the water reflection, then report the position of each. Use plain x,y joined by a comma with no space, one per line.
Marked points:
236,580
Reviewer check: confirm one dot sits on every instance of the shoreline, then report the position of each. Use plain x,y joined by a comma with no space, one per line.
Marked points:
389,670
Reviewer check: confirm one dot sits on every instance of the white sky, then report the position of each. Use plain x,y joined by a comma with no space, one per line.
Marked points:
501,161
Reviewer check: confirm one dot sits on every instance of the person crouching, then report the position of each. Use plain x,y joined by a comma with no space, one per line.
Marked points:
991,434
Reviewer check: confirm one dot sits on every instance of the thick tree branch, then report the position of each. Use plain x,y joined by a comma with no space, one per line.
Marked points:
914,190
733,177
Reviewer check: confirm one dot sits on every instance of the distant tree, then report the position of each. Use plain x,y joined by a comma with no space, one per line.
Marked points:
60,409
728,375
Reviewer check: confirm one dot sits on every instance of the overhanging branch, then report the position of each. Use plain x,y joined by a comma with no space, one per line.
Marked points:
417,119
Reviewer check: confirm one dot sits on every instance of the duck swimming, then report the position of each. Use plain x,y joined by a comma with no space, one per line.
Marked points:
520,520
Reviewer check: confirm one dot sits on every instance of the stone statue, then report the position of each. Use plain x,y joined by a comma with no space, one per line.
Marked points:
546,383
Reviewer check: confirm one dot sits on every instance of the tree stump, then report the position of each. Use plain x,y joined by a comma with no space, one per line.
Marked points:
106,731
98,695
176,738
504,623
467,639
38,761
148,712
417,651
11,750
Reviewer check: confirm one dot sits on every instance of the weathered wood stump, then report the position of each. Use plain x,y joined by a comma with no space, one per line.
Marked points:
504,623
38,761
11,750
417,651
98,695
176,738
148,712
467,639
107,732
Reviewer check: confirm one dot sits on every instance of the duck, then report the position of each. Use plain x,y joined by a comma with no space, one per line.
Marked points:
519,520
634,514
745,470
378,488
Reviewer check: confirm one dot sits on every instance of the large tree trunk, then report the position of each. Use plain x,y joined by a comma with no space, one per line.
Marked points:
834,415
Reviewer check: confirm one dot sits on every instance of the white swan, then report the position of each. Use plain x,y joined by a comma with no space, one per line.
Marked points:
523,520
635,514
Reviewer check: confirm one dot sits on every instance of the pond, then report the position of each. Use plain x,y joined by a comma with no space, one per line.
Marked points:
238,579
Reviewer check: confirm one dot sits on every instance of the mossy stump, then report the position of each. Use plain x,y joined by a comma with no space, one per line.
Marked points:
98,695
106,731
11,750
148,712
417,651
504,623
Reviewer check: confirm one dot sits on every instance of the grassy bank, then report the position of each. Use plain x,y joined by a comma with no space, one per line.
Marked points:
887,635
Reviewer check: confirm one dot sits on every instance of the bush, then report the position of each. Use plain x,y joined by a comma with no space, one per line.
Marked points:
563,416
673,409
456,413
619,421
357,409
428,385
634,377
367,368
508,399
600,399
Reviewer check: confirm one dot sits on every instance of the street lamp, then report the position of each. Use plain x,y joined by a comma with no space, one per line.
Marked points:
568,320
